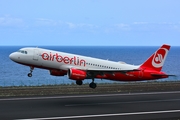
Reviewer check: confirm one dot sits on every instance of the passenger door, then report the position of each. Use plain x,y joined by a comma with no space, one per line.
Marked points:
36,54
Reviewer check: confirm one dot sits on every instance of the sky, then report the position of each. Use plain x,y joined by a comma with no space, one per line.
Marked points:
89,22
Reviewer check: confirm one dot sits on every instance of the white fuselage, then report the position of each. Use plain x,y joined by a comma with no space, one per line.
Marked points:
50,59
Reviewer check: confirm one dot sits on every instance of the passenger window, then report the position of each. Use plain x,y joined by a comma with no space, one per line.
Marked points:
25,52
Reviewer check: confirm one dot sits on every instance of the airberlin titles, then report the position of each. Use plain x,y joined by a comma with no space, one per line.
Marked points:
65,59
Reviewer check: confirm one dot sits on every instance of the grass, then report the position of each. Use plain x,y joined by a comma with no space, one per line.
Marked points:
84,89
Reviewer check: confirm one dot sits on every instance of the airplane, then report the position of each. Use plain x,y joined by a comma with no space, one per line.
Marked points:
79,68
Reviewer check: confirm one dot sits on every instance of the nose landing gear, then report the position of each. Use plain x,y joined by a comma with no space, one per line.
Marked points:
31,70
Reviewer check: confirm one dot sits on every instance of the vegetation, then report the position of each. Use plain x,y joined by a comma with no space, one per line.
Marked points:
84,89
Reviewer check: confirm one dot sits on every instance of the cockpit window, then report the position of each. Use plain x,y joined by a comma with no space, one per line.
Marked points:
22,51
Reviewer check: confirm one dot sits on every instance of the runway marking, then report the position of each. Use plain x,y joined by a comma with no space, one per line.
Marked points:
105,115
111,103
86,96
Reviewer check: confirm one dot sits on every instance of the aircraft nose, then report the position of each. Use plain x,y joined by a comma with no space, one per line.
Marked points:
12,56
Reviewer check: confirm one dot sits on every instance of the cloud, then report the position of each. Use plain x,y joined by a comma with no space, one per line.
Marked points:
166,23
58,23
145,27
140,23
123,26
10,21
71,25
80,25
46,22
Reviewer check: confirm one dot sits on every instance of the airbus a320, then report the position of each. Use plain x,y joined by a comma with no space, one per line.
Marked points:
79,68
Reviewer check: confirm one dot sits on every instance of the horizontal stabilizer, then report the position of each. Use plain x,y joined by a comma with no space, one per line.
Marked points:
161,75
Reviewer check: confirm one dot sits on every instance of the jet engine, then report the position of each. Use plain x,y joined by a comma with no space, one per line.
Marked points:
76,74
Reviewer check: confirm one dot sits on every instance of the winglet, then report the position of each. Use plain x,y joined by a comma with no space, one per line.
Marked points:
156,61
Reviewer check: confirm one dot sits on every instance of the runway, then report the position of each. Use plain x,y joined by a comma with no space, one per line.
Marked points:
128,106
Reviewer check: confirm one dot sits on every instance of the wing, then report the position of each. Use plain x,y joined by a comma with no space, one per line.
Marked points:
111,70
98,70
94,72
91,72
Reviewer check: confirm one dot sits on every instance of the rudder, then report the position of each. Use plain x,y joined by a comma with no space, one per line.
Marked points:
156,60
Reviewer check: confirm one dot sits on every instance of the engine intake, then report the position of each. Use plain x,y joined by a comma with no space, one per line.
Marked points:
58,72
75,74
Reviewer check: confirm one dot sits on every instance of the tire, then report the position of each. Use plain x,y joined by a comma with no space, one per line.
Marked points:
79,82
92,85
29,74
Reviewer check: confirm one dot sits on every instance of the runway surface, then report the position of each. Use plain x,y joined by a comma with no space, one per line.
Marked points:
124,106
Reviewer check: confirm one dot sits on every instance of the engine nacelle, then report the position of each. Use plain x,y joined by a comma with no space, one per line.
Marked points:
57,72
75,74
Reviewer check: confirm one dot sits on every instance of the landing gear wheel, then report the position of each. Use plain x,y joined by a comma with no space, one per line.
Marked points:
92,85
29,74
79,82
31,70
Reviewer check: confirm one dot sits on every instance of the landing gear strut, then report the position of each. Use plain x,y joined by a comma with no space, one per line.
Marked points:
31,70
92,84
79,82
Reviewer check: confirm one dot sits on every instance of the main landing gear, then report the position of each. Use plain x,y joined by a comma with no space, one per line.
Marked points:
79,82
31,70
92,84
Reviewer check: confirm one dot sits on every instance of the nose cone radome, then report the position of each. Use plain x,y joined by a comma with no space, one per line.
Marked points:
13,56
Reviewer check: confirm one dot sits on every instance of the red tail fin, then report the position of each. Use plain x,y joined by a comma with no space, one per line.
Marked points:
156,61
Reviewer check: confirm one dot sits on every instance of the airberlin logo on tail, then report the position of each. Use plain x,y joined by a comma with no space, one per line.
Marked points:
65,59
159,57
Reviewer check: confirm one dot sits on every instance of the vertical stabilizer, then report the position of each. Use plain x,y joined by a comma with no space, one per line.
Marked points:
156,61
